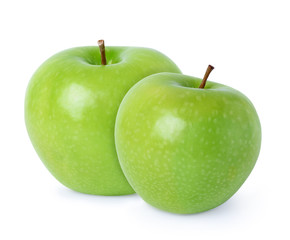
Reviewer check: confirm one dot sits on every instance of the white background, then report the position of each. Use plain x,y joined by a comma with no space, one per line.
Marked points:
246,41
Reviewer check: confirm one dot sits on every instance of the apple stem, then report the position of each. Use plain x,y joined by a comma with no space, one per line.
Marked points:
101,44
208,71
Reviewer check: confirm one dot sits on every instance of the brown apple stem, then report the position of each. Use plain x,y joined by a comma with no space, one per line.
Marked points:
208,71
101,44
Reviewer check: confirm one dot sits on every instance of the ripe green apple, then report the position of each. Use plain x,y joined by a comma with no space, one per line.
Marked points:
186,149
70,109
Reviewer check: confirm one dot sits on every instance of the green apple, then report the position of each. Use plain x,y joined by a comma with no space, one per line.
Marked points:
70,109
186,149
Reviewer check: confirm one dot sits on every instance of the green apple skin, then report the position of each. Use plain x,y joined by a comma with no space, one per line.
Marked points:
70,110
184,149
